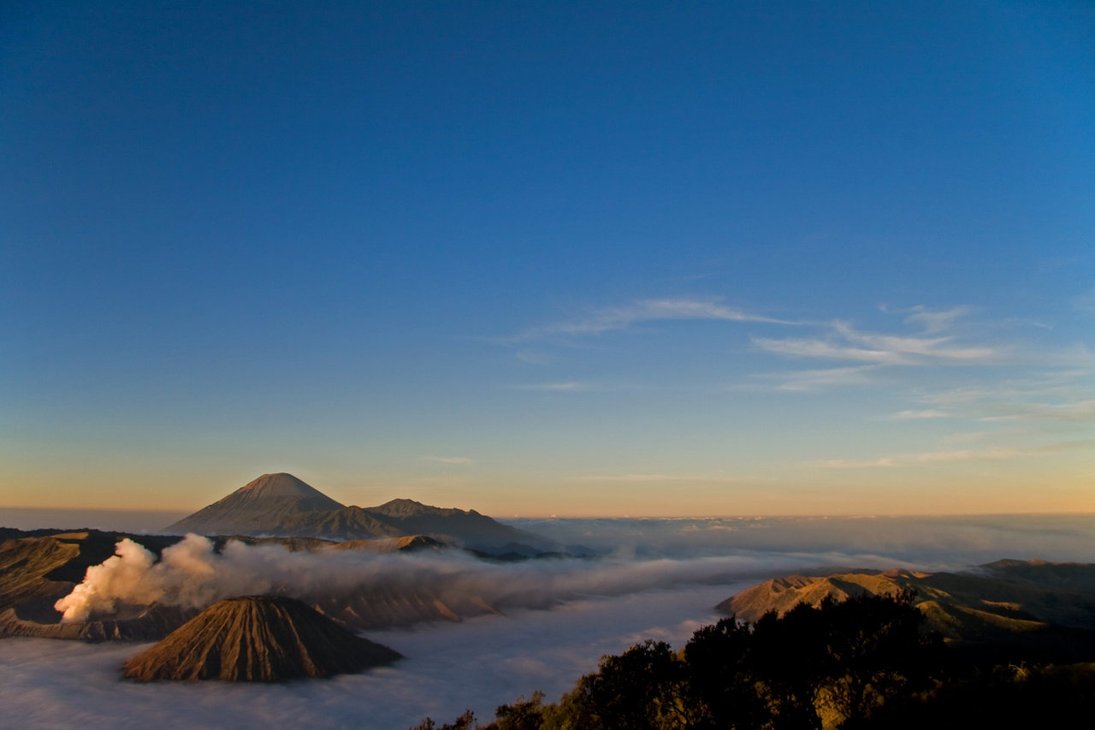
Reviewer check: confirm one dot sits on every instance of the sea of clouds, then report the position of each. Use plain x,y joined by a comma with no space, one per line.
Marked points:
659,579
478,664
191,574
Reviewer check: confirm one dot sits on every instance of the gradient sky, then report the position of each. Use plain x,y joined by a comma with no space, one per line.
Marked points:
549,258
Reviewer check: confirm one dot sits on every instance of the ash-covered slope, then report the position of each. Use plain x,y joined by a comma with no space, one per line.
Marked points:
1003,597
282,505
257,639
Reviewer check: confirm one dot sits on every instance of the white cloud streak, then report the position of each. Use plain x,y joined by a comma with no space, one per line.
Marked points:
643,478
921,415
645,310
1078,412
1062,397
563,386
451,460
825,349
809,381
1085,302
935,320
845,342
928,457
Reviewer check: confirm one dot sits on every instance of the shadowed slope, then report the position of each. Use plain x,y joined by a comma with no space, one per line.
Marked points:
257,639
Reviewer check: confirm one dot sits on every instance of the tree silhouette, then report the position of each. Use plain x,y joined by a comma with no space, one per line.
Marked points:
875,649
722,679
841,662
639,689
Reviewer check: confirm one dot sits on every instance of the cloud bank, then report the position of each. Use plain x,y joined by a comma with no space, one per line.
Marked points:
191,574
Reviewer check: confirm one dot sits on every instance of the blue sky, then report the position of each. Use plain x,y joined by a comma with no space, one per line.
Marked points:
539,258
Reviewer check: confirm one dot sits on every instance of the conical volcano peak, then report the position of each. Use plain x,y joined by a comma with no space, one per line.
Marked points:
257,639
280,484
272,504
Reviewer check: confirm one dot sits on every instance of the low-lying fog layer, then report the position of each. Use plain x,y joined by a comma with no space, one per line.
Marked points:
598,606
929,541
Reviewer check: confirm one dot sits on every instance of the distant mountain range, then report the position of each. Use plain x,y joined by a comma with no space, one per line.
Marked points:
283,505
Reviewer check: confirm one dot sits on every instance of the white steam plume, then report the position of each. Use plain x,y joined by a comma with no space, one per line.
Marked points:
191,574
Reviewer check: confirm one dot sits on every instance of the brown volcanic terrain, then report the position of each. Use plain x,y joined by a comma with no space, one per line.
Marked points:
1002,597
257,639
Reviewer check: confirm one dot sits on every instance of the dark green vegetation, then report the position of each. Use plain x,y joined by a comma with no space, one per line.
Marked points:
866,662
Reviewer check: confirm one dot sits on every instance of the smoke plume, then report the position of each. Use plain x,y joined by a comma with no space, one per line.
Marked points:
192,574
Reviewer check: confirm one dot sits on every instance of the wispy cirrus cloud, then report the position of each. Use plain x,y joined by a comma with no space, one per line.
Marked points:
645,477
935,320
926,414
811,381
1072,412
927,457
840,340
949,456
938,348
607,319
530,357
1085,302
451,460
1056,396
828,350
562,386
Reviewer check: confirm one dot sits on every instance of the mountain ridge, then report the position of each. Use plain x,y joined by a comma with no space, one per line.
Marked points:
282,505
